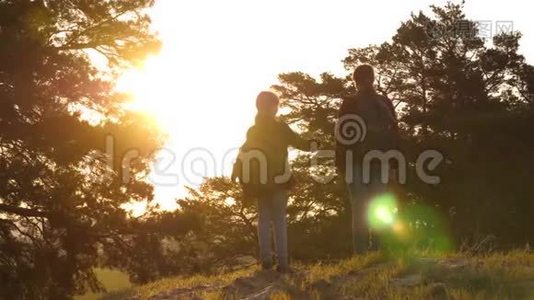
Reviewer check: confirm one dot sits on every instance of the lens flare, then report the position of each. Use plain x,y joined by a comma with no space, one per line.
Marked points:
382,211
414,228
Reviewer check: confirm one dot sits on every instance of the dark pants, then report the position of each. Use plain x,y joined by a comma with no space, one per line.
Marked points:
361,192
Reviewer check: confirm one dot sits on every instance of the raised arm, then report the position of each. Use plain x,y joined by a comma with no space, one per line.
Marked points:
295,140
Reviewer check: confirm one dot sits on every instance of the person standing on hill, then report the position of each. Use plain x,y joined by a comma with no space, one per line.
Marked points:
367,122
263,170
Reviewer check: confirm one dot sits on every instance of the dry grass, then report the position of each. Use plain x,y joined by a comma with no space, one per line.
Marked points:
494,276
154,288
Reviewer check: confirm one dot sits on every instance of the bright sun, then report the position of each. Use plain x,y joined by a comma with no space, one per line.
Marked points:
149,95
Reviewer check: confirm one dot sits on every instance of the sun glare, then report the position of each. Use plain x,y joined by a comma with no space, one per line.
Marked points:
148,94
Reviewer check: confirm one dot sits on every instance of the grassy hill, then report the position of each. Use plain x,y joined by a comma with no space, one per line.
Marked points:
112,280
494,276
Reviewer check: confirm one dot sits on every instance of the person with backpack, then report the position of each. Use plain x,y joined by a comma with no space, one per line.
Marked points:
262,168
367,122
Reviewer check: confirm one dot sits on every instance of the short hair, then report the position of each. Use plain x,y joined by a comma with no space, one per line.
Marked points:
265,99
363,74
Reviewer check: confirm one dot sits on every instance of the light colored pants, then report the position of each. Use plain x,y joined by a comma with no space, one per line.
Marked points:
272,209
360,195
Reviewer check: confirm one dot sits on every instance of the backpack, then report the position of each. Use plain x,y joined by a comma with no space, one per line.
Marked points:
251,188
379,116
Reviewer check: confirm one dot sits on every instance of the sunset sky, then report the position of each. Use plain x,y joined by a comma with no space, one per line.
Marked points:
217,55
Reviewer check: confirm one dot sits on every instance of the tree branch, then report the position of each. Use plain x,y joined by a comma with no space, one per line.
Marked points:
25,212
